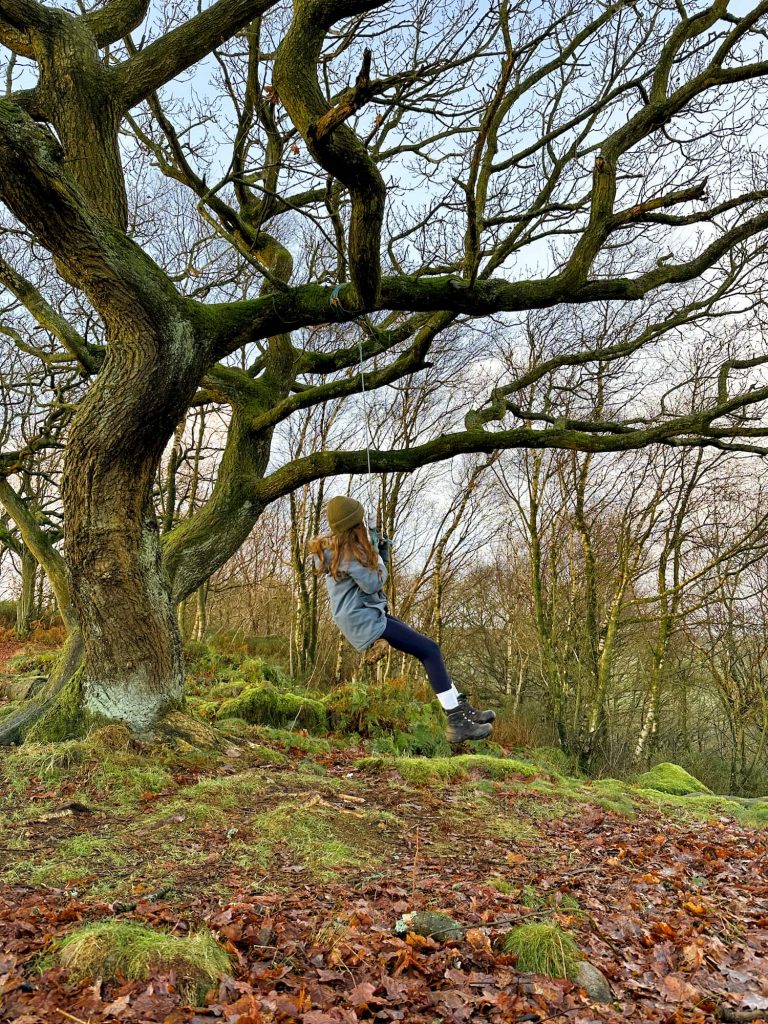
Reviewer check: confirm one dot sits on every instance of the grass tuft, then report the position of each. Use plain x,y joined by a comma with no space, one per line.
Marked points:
266,705
114,949
544,948
438,771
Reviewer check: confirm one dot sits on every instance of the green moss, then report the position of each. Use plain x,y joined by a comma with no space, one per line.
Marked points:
207,709
268,754
442,770
234,726
294,740
403,717
32,663
543,948
126,780
8,709
553,759
671,778
115,949
66,718
232,688
757,814
613,795
502,886
268,706
225,792
317,838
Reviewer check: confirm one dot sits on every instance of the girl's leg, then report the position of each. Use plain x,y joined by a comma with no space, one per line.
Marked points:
405,639
461,725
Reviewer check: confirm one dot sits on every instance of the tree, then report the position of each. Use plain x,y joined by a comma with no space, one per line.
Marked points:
615,172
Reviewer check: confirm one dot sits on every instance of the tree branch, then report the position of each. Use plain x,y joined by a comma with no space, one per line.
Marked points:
115,19
24,15
88,356
337,149
184,46
683,430
17,40
235,324
117,276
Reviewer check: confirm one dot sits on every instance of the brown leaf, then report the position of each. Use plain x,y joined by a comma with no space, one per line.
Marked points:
677,990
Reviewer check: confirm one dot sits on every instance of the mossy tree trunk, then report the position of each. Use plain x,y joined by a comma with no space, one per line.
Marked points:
133,667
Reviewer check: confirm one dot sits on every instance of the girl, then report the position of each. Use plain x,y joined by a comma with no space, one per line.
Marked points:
355,575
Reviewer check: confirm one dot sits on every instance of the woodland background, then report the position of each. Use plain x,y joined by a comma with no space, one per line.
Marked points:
610,602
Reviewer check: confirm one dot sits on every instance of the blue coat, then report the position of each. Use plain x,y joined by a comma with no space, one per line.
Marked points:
358,601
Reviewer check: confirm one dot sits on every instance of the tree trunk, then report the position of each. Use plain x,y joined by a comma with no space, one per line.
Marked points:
201,613
26,603
133,666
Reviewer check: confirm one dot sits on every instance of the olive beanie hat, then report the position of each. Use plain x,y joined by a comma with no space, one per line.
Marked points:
343,514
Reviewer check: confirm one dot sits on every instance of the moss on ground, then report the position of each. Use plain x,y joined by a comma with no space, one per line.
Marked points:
294,740
265,705
672,779
438,771
320,839
32,662
125,949
543,948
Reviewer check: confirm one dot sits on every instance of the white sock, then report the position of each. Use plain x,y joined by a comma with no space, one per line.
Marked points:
449,699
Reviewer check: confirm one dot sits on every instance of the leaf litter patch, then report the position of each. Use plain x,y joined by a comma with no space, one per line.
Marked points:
674,913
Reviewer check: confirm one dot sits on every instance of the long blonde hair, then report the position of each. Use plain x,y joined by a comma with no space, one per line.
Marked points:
353,543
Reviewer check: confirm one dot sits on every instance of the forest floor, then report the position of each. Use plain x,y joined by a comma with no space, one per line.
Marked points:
300,853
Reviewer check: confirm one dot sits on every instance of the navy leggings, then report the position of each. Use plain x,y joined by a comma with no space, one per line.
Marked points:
407,640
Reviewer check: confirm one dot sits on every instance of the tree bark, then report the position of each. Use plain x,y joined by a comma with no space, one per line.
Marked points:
133,666
26,602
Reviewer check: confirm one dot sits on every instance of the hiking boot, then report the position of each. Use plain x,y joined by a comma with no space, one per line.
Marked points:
462,727
482,717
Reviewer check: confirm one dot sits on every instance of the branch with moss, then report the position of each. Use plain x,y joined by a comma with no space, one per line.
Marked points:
335,147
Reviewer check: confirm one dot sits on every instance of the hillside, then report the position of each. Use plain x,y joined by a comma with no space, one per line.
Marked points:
299,853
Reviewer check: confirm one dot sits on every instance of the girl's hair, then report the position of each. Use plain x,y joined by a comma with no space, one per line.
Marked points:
354,543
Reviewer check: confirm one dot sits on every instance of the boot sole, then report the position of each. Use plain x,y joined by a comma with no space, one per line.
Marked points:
484,734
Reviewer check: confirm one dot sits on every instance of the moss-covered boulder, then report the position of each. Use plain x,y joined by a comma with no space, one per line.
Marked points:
671,778
266,705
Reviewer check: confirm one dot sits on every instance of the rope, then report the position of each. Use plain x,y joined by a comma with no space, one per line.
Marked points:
371,498
339,312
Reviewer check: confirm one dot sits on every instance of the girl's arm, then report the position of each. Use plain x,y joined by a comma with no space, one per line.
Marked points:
369,580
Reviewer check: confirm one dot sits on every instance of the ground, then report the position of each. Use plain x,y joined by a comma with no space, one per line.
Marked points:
299,854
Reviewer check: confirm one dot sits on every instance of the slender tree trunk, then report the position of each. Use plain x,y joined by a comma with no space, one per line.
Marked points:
201,613
25,605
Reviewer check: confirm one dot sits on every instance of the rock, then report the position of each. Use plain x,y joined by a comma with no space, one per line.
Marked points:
594,983
430,924
671,778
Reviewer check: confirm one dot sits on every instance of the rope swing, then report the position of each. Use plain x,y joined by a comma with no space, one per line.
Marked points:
339,313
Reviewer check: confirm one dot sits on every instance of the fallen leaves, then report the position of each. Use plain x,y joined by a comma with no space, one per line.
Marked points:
674,915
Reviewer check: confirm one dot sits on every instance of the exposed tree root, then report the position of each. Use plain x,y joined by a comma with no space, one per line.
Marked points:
16,727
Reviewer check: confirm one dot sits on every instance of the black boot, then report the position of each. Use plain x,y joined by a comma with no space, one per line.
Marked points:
462,727
477,716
